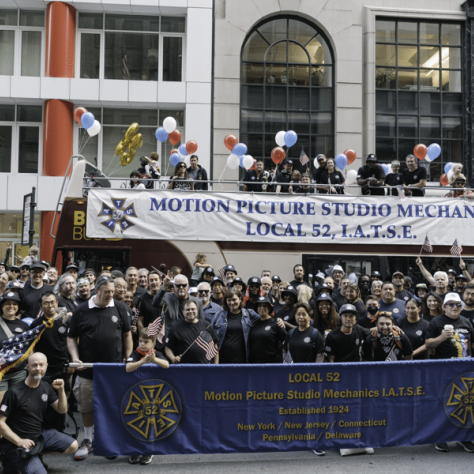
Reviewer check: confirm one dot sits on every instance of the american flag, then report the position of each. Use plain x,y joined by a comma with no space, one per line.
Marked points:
206,343
456,249
221,274
304,160
125,71
427,247
157,328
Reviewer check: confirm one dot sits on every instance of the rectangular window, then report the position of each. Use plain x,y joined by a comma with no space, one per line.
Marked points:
419,90
7,52
28,149
5,148
90,56
172,59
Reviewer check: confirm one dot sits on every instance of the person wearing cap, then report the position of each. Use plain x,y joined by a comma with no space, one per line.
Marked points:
15,270
298,273
421,291
394,179
322,164
65,291
210,309
73,270
290,297
325,316
11,326
147,313
24,273
266,336
193,291
238,283
451,336
390,303
337,274
452,276
208,274
322,288
460,282
400,292
375,275
254,285
468,298
408,284
370,177
284,177
33,290
256,179
218,288
414,177
276,280
230,273
267,288
459,191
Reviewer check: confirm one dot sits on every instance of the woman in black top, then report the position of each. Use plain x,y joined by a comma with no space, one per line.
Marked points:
266,337
415,328
325,316
180,180
290,297
431,306
332,177
353,296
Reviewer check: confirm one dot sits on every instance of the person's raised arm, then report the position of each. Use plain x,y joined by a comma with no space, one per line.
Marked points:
426,274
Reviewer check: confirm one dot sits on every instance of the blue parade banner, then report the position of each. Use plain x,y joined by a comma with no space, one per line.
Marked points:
191,409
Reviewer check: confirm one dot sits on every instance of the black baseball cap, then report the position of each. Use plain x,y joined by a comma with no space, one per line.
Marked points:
254,281
371,157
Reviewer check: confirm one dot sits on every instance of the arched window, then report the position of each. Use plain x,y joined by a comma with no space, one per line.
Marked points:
287,84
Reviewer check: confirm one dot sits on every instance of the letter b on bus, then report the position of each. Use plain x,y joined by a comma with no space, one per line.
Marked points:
79,217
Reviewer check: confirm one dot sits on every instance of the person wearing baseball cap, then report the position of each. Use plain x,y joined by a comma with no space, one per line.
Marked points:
461,282
398,279
73,270
451,336
284,177
230,273
254,285
290,297
370,177
217,287
208,274
394,179
322,165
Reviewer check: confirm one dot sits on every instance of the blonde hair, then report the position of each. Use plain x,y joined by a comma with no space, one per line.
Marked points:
304,294
199,257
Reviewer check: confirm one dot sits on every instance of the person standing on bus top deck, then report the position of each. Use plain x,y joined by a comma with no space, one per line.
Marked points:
257,176
370,177
322,162
135,180
284,177
394,179
198,174
414,176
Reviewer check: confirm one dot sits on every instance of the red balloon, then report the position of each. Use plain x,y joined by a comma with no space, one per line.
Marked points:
174,137
444,179
191,147
174,150
253,166
420,151
278,155
78,114
230,141
351,155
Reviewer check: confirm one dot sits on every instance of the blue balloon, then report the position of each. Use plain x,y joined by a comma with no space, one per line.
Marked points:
341,161
385,168
290,138
182,150
87,120
240,149
448,167
175,159
434,150
161,134
241,160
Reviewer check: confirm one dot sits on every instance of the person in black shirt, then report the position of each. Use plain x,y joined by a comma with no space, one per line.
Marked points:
198,174
413,176
66,292
217,288
415,328
181,346
258,177
33,290
365,284
322,162
371,177
238,283
400,292
83,290
325,315
254,285
352,296
131,277
421,291
394,179
333,178
431,306
461,282
284,177
180,180
22,416
290,297
304,187
147,313
266,336
298,273
468,298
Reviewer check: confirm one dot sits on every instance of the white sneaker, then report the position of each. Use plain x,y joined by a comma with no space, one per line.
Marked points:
350,452
369,450
85,448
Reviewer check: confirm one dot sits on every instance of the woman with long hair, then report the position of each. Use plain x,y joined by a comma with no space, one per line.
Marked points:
135,180
414,327
431,306
332,177
353,296
181,180
325,315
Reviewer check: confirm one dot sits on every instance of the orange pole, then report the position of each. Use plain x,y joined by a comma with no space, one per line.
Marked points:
46,241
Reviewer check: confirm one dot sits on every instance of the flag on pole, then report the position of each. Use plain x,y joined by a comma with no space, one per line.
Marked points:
456,249
427,247
221,274
304,160
157,328
206,343
125,71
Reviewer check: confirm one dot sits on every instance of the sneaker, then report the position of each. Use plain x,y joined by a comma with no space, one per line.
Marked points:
146,460
467,445
350,452
110,458
319,452
443,447
369,451
85,448
134,459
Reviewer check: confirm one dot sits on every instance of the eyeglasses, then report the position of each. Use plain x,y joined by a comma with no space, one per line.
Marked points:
180,285
203,292
182,167
460,182
454,305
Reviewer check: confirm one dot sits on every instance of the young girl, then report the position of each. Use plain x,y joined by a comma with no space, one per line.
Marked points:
145,354
198,267
134,182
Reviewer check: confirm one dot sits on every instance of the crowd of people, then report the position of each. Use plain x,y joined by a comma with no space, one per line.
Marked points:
264,320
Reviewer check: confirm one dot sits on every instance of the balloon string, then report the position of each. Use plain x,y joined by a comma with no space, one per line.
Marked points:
83,146
222,174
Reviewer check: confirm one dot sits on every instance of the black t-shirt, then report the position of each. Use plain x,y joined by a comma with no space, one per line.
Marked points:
16,327
277,307
256,186
233,350
416,332
138,292
403,295
146,309
182,336
459,345
345,347
414,177
53,344
305,345
380,352
287,315
136,356
282,178
296,284
251,305
25,408
31,298
469,314
301,190
336,177
377,172
218,301
181,183
100,333
69,303
265,341
318,173
394,179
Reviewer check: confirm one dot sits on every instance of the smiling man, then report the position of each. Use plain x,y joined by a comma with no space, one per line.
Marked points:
33,290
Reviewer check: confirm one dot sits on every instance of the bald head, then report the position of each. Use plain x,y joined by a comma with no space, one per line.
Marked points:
37,356
37,365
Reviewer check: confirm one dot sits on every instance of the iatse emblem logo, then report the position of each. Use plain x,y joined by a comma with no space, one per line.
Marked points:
459,401
117,215
151,410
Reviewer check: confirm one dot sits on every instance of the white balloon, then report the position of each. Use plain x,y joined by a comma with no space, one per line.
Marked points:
315,163
248,161
169,124
280,138
351,176
94,129
187,160
233,161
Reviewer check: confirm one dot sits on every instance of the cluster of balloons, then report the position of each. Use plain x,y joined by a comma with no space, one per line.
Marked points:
422,152
238,156
127,147
343,159
87,120
287,139
445,178
183,153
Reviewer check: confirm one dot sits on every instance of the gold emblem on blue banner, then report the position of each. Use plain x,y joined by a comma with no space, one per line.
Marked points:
117,216
151,410
459,401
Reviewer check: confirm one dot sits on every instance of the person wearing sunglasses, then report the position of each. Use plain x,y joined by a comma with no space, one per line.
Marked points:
181,180
451,336
210,308
458,192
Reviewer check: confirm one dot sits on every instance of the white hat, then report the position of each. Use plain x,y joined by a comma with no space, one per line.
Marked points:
453,298
338,267
192,290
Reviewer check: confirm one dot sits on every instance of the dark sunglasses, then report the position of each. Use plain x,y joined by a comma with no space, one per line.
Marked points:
204,292
454,305
180,285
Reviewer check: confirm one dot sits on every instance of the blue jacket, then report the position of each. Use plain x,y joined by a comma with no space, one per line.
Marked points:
210,310
219,323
